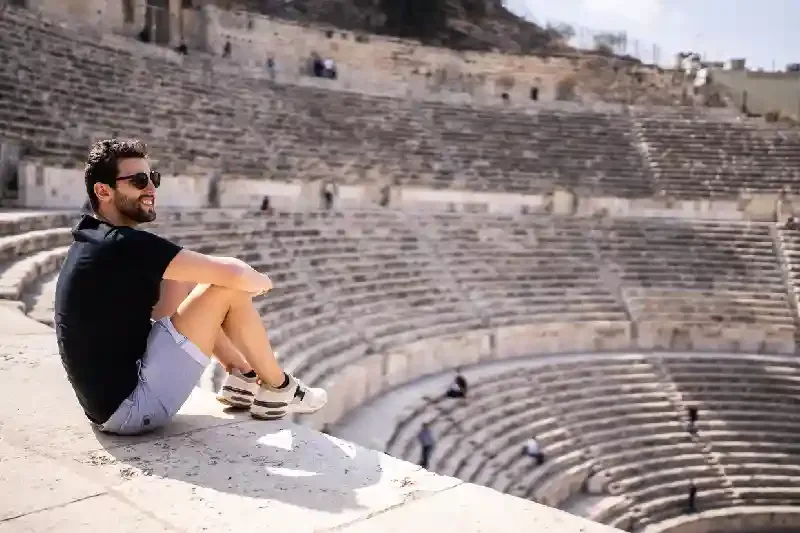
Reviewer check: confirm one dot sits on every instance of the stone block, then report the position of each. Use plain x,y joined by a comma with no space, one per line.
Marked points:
99,513
474,508
397,368
53,484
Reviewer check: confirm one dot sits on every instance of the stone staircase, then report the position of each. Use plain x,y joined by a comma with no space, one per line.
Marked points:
787,249
703,443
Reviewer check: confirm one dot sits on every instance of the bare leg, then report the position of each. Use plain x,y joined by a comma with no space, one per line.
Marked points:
173,293
210,311
229,355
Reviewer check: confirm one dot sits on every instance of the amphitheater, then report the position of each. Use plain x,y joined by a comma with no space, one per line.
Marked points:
594,270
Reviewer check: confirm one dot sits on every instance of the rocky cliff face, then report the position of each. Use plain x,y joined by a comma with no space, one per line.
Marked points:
459,24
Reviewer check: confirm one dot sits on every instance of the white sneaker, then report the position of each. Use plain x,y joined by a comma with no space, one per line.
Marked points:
238,390
296,397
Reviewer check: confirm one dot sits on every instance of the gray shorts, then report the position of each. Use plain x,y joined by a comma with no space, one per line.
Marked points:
171,367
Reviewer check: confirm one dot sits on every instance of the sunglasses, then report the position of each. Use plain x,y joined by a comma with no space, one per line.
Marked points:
140,179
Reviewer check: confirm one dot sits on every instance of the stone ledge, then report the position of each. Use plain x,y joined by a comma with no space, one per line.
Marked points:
213,469
746,519
376,374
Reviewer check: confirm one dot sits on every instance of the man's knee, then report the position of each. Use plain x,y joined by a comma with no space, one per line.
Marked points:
231,296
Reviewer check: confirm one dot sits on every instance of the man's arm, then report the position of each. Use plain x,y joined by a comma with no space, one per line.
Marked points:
193,267
171,295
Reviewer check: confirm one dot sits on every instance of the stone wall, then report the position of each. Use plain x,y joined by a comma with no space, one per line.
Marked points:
375,374
59,188
480,75
52,187
376,63
763,92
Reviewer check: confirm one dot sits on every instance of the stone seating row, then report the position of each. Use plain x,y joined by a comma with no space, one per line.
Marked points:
666,267
344,261
773,518
306,131
29,255
693,158
568,467
15,222
624,427
386,303
298,111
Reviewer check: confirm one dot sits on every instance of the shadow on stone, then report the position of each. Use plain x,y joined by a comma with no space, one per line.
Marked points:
265,460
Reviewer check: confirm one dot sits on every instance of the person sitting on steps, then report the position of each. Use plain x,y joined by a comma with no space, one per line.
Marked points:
458,388
137,317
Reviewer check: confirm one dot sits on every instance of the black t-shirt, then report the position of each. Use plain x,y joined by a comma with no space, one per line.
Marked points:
105,295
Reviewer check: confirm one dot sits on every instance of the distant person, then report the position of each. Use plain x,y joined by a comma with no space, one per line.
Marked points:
329,68
317,66
227,49
137,317
532,449
182,49
386,195
266,207
691,501
329,195
692,414
426,442
458,388
271,68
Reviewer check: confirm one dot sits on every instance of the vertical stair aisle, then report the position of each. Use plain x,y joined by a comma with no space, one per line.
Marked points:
787,249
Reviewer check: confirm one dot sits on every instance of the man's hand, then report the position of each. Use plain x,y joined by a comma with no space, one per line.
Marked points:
256,282
267,286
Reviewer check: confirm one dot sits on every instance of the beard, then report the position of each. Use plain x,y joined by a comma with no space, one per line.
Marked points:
132,209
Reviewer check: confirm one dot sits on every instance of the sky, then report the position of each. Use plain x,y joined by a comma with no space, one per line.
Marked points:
765,32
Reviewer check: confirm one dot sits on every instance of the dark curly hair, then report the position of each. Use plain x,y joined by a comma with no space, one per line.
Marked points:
101,165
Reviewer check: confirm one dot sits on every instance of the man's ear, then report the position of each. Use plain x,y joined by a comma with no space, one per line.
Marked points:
103,191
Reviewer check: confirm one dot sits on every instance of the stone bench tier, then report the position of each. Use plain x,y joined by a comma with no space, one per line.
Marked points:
315,132
611,421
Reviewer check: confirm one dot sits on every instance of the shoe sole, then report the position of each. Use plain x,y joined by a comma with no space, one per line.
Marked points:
267,417
236,397
231,402
280,413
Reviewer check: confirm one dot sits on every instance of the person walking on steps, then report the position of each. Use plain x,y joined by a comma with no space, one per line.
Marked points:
137,317
427,443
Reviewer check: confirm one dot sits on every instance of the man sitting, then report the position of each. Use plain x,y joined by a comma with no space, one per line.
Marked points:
137,317
458,388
